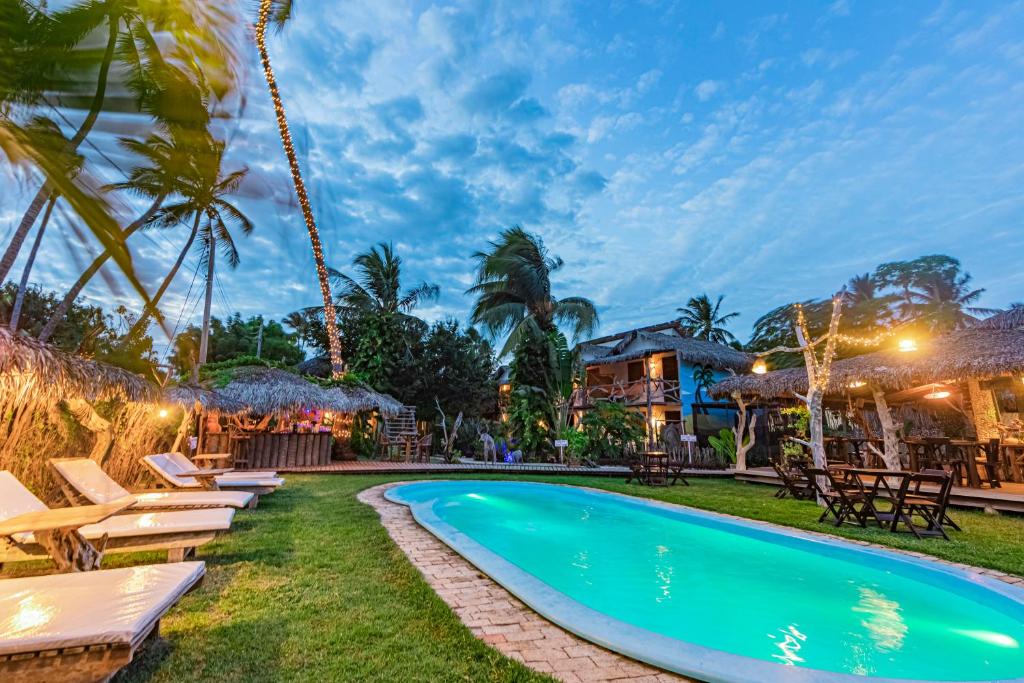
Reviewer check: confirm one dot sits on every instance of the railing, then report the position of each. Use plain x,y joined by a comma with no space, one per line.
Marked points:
631,393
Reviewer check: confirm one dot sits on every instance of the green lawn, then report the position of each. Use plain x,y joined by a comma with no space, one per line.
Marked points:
309,587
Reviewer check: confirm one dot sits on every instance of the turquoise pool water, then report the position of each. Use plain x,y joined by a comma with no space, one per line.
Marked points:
721,599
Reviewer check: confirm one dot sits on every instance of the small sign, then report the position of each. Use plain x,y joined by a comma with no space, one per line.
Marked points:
688,438
561,443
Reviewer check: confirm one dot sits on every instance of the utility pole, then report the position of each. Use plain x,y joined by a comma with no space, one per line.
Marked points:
259,339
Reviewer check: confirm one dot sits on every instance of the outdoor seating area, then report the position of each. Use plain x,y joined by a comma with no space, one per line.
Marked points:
657,468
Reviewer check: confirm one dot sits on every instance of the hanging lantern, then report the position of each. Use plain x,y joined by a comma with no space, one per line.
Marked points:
760,367
937,393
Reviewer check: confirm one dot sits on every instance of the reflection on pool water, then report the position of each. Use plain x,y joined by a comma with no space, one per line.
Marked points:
723,599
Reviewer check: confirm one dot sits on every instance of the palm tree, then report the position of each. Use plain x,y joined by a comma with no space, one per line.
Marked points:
943,302
513,290
45,52
702,319
168,166
378,289
279,11
203,194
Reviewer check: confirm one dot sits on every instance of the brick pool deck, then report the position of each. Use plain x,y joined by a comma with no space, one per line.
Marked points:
498,618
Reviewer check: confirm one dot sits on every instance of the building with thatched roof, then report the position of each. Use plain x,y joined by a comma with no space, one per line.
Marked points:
652,370
978,370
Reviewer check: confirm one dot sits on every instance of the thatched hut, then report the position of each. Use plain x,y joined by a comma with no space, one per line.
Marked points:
301,410
972,375
48,371
189,395
54,403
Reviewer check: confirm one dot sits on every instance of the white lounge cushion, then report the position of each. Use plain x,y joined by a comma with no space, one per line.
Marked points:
191,499
186,465
107,607
166,522
16,500
97,486
176,475
90,480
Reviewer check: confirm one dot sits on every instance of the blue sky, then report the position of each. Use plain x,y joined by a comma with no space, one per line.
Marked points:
765,151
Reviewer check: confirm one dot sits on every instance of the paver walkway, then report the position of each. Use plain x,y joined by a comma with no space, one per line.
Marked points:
495,616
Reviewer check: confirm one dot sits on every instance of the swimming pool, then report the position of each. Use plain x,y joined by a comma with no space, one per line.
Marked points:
722,599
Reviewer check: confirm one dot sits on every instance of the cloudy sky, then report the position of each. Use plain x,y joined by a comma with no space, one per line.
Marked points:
765,151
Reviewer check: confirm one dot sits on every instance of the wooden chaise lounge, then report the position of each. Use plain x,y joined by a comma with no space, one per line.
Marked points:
170,474
84,627
188,465
83,481
28,531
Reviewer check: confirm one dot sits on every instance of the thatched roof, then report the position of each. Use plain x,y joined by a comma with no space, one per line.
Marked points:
188,395
63,375
269,390
639,344
1010,319
318,366
969,354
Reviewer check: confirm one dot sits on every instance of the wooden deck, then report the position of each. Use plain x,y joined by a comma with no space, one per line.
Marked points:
472,467
1007,498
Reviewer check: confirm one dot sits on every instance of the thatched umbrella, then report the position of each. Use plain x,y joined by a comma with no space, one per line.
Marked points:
56,374
960,356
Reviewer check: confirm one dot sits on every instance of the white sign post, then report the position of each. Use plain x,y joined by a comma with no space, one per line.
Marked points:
689,440
560,444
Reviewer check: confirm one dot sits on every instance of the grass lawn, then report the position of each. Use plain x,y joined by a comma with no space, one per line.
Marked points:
309,587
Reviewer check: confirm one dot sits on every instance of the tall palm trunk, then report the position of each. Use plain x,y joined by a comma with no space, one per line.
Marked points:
149,310
29,219
333,340
204,340
94,267
19,299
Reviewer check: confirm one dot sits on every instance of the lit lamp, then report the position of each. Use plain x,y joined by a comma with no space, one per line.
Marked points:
760,367
163,412
856,384
907,345
937,393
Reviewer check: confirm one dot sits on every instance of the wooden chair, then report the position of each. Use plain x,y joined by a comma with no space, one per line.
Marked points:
94,623
989,463
425,447
844,500
930,504
793,483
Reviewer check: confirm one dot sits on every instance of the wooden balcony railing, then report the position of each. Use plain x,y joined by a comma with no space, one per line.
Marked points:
631,393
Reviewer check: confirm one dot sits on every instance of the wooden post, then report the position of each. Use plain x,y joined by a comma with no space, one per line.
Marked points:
890,431
650,405
744,431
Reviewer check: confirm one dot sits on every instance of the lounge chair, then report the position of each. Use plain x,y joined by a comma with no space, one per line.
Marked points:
189,465
83,481
169,473
178,532
70,628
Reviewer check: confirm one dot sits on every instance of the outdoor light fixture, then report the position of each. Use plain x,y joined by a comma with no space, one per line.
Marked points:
936,393
163,412
760,367
856,384
908,345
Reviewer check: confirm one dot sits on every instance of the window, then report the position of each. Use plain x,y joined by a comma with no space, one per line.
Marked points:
635,371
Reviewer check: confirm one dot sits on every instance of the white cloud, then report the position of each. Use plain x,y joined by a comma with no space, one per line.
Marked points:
705,90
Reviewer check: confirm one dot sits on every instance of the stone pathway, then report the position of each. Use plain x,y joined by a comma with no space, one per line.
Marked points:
495,616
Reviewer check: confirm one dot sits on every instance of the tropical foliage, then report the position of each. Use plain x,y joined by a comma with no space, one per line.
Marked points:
234,338
703,319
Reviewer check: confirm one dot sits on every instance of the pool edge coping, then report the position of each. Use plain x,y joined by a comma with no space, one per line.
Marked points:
564,611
